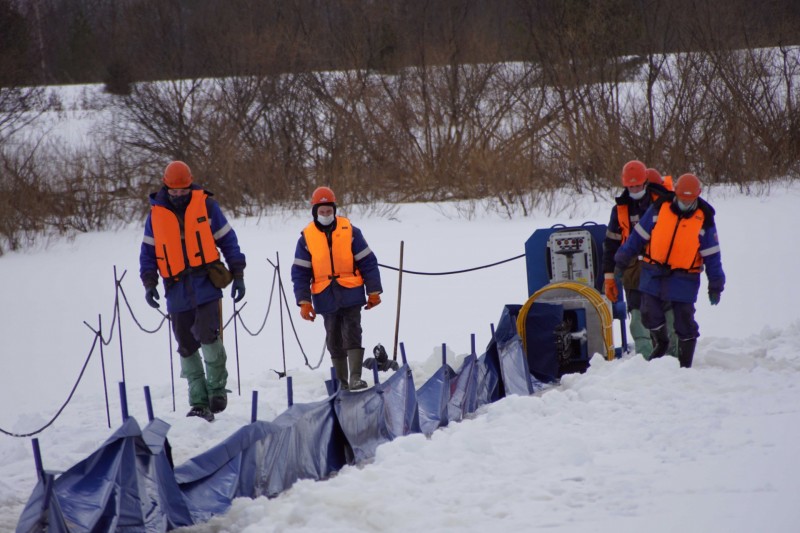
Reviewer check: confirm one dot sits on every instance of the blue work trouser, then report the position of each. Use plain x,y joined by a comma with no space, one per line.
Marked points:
653,316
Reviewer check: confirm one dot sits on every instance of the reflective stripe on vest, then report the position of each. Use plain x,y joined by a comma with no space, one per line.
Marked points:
676,241
335,261
198,239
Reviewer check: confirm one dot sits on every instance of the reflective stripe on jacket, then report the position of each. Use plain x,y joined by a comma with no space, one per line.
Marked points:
334,261
675,241
196,234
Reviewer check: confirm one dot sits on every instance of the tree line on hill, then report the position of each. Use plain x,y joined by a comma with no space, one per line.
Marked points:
494,103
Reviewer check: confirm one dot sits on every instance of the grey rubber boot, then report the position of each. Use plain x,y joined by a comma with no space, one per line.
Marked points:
660,341
192,370
216,375
641,335
355,356
686,352
340,365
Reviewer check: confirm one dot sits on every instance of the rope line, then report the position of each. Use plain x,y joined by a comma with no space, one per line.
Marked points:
297,338
66,402
453,271
116,315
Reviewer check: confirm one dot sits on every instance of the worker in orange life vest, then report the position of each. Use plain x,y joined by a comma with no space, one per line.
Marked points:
182,237
333,267
637,196
679,240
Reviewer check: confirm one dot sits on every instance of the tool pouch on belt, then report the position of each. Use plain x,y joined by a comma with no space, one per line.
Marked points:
630,277
219,275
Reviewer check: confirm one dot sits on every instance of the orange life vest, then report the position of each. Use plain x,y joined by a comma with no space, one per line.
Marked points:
171,236
676,241
335,261
624,219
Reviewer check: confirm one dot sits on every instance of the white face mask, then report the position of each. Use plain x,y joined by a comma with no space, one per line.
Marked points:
687,207
325,221
638,195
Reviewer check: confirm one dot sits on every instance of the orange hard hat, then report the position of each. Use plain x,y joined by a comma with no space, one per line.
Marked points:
687,188
654,176
323,195
177,175
634,173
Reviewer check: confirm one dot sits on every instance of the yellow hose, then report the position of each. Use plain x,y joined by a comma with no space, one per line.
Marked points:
590,294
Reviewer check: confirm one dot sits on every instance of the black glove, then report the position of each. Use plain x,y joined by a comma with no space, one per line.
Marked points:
713,297
237,289
151,296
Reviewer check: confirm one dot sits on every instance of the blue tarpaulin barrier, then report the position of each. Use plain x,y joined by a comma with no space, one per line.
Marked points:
433,398
129,482
126,484
380,414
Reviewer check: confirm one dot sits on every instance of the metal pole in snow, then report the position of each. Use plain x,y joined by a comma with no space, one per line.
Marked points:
171,361
119,322
289,391
472,342
103,366
399,296
403,353
280,308
236,347
444,354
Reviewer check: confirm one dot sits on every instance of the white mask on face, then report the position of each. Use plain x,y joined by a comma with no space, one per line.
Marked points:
687,207
325,221
638,195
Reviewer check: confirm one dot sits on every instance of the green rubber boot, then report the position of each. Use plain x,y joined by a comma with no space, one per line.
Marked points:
355,357
340,365
216,375
673,337
192,370
641,335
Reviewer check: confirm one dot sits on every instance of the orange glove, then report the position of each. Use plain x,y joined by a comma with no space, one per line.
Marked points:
611,289
307,311
373,299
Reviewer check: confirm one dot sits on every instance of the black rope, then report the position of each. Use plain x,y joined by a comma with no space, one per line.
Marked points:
128,305
271,292
69,398
452,271
297,338
164,317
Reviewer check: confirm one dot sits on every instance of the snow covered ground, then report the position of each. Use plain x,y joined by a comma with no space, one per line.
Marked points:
628,446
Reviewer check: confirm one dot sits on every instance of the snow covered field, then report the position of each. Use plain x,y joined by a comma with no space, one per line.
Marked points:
628,446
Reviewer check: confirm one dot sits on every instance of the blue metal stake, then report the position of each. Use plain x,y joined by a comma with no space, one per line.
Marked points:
123,401
472,342
403,353
289,391
375,374
254,407
336,384
444,354
149,403
37,458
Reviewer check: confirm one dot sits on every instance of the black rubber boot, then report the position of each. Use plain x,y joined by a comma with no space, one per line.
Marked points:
340,366
660,341
217,404
201,411
686,352
355,357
